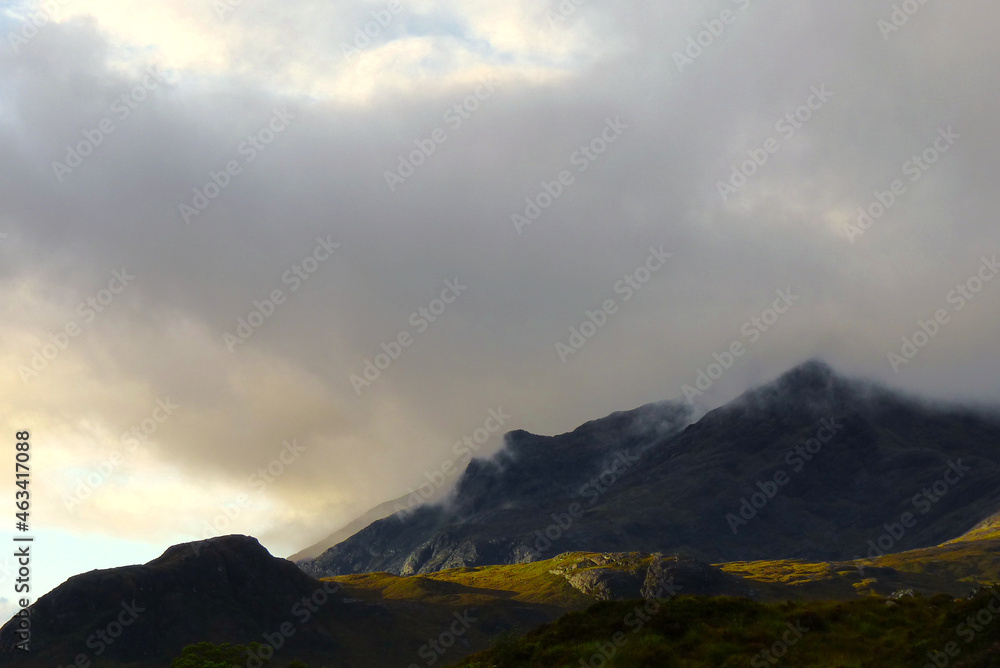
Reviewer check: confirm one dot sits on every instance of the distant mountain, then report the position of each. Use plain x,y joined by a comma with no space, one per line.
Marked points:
340,535
496,500
812,466
227,589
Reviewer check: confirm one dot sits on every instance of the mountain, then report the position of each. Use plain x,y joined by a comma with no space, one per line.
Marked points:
497,499
378,512
813,466
231,590
226,589
780,489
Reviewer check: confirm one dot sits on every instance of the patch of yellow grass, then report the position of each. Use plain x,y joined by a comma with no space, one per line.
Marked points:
785,571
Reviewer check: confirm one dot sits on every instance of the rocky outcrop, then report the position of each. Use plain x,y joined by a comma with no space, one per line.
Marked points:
605,584
618,576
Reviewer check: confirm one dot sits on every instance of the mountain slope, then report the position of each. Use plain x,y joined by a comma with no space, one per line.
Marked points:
226,588
496,500
648,481
340,535
987,529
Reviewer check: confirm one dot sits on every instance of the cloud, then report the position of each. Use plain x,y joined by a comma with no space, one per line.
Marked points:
324,175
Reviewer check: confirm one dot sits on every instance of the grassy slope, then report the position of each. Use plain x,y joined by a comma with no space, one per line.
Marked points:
985,530
525,596
531,584
497,597
953,568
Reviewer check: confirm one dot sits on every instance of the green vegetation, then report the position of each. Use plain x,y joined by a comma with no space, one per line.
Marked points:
988,529
728,632
207,655
954,568
522,583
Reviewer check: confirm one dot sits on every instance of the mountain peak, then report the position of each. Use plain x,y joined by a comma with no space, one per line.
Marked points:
231,545
224,589
813,386
813,374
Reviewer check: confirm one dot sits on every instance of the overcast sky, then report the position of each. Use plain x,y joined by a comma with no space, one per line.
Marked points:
164,165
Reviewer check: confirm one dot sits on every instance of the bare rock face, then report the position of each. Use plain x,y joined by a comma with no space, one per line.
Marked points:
678,575
619,576
609,576
606,584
